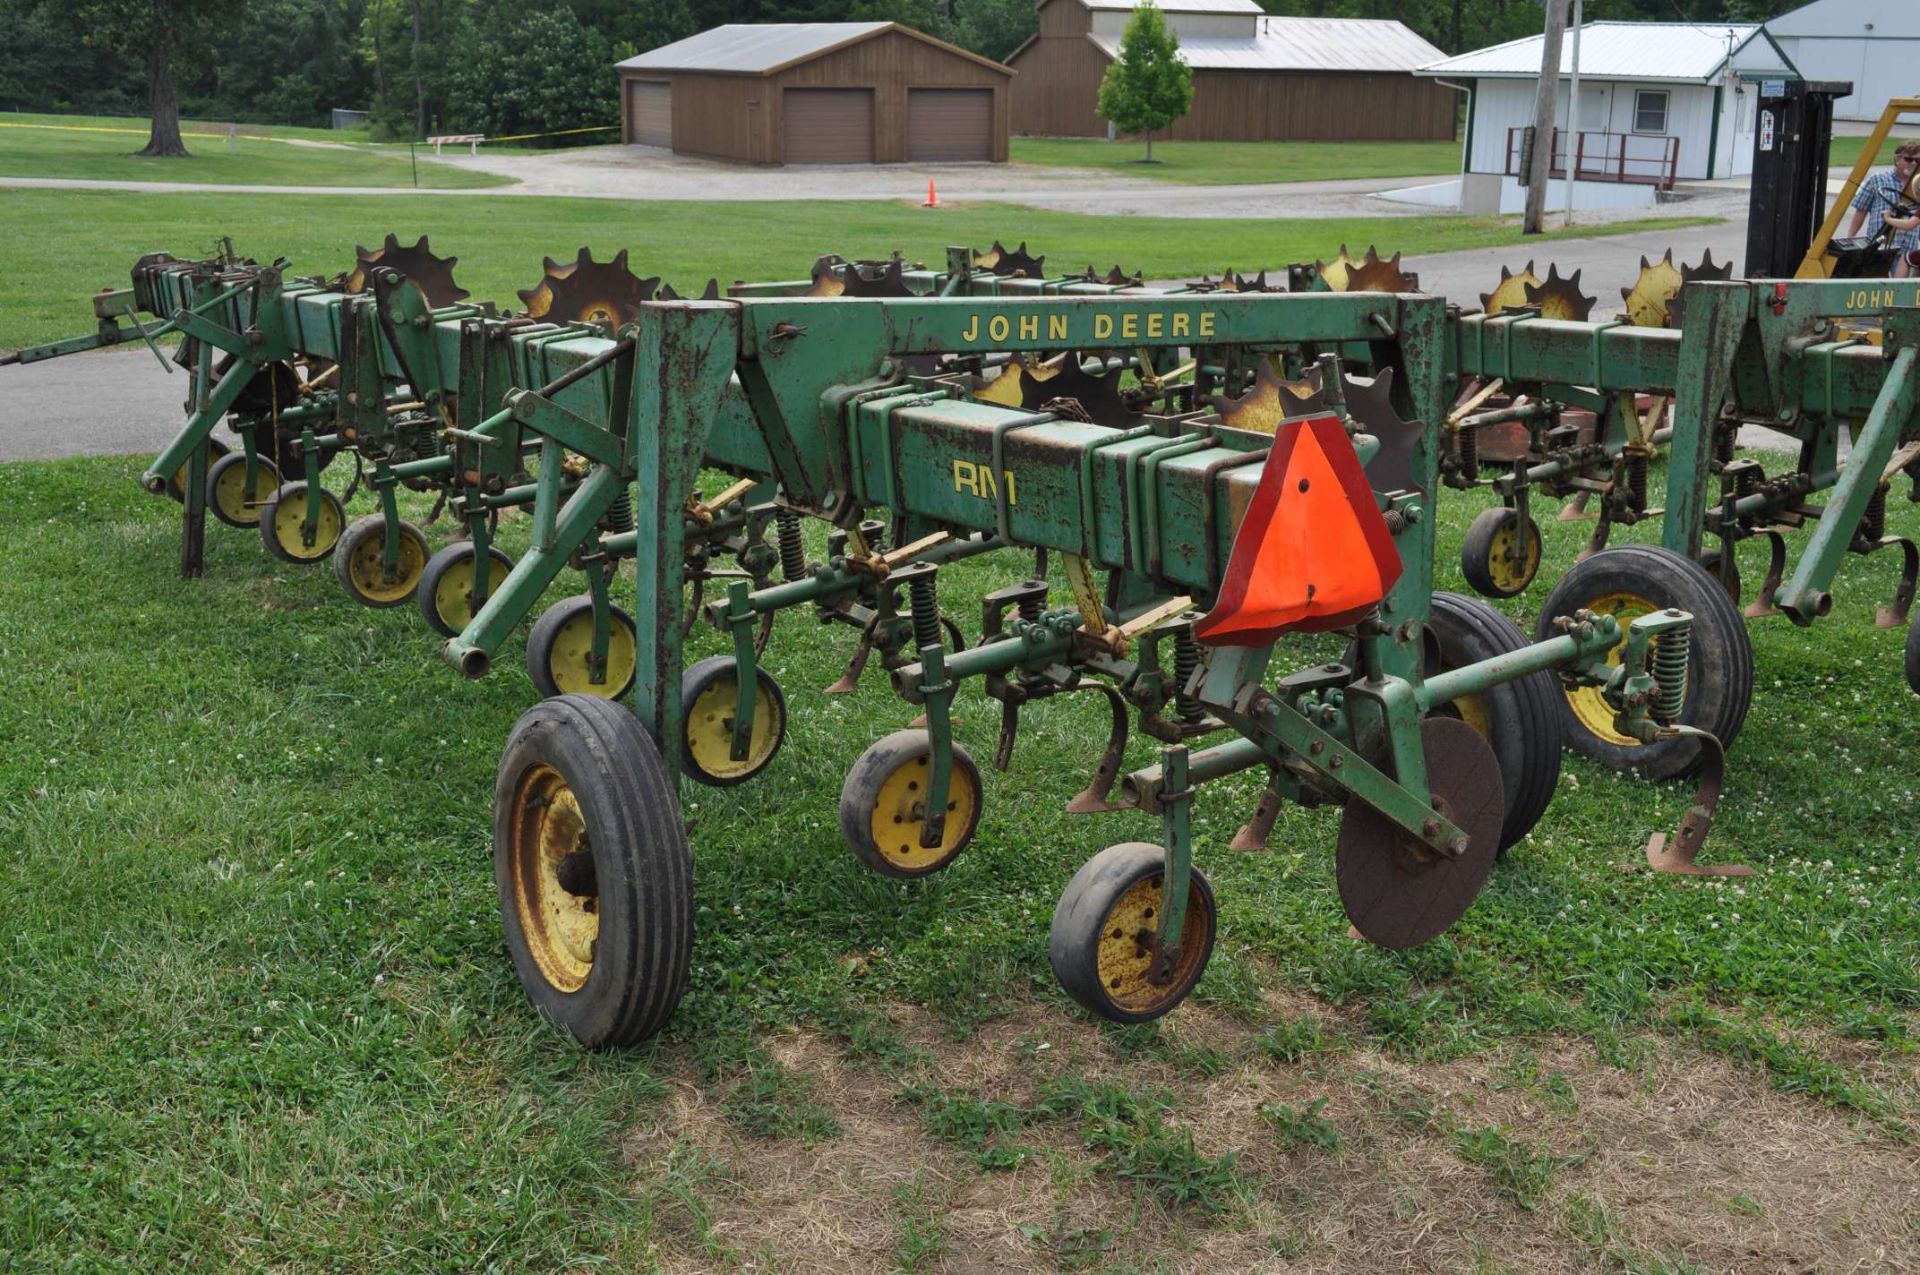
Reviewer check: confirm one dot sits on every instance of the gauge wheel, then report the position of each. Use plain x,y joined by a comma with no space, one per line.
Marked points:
560,651
360,562
283,524
883,807
1488,554
227,494
709,691
446,586
1101,940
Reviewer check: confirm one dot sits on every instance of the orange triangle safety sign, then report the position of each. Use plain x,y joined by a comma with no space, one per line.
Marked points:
1313,552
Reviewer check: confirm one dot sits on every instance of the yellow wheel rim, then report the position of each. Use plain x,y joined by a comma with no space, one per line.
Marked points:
367,568
1511,576
570,661
289,514
555,888
900,812
710,727
236,503
1125,960
1589,705
453,594
1472,709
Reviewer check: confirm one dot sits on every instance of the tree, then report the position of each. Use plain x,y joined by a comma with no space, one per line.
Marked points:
156,30
535,71
1147,86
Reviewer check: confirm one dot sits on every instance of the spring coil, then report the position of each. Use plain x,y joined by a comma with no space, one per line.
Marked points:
1670,674
1637,481
1748,481
1031,609
1186,658
1724,439
1467,444
1873,523
793,554
874,532
620,513
926,611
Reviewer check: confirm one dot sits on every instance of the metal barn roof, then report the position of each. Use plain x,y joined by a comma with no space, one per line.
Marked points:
1851,19
760,47
1683,51
1305,44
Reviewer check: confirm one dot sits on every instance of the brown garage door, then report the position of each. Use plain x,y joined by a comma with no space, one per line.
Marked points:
650,112
829,126
949,125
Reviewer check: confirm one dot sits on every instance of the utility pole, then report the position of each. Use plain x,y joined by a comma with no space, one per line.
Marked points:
1573,113
1543,117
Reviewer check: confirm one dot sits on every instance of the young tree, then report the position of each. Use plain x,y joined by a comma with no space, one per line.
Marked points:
156,30
1147,87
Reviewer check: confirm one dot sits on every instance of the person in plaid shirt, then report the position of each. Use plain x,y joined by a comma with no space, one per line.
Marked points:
1876,199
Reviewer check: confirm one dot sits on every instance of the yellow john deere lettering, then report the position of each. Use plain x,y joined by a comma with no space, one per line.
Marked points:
1099,325
1878,298
977,480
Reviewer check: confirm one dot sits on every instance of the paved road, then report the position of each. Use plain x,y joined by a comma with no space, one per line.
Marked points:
119,401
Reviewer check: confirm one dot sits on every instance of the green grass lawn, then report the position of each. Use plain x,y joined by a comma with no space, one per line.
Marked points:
101,148
255,1012
1846,150
500,242
1242,163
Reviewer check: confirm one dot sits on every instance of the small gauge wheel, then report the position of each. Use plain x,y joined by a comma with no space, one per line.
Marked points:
177,484
594,875
227,493
883,806
709,692
560,651
283,524
1501,554
1103,944
360,562
446,586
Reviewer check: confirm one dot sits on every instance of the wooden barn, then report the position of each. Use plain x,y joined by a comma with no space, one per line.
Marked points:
1255,78
817,93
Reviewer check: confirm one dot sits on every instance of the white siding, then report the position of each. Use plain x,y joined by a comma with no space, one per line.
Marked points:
1503,104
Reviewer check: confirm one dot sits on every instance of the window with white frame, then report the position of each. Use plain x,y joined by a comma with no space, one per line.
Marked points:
1650,111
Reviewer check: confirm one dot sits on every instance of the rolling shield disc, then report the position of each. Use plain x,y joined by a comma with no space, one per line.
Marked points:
1396,893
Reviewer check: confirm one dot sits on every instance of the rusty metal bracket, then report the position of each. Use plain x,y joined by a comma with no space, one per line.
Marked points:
1676,854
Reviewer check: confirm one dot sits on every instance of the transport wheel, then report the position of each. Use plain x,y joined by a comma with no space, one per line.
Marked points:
1486,555
593,870
217,451
708,693
1102,942
1631,581
227,493
560,648
1397,892
446,586
1520,719
284,515
360,562
883,807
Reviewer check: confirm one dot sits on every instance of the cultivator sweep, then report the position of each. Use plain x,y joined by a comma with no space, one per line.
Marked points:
1208,471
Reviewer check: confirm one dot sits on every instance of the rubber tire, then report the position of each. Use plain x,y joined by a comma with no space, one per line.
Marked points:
374,526
546,631
437,566
641,859
869,773
1523,715
297,490
217,451
1073,940
1913,654
1476,552
1720,672
265,471
695,680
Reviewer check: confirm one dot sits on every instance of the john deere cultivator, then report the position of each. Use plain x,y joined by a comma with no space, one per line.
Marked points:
1206,470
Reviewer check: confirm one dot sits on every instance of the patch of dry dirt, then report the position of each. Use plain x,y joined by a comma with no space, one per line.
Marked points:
1687,1157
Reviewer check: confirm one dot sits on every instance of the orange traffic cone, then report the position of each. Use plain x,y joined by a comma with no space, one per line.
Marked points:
933,200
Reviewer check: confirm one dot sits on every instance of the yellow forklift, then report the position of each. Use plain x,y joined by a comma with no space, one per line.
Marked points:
1870,255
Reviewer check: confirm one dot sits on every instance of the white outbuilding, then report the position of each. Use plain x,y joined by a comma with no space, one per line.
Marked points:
1660,102
1874,43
